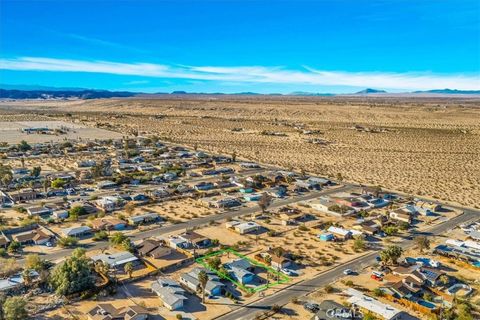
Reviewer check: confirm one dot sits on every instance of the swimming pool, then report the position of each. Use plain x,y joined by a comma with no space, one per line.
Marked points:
426,304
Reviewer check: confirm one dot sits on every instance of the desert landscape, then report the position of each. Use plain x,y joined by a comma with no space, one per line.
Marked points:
427,146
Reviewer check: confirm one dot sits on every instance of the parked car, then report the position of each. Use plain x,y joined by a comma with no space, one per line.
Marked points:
289,272
378,274
312,307
377,278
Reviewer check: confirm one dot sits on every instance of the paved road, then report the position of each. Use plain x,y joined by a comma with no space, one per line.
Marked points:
322,279
57,255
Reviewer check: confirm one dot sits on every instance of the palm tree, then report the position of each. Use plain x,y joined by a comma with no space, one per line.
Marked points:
203,278
128,269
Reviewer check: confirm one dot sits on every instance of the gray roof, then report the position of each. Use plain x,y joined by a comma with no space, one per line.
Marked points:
212,283
168,290
76,230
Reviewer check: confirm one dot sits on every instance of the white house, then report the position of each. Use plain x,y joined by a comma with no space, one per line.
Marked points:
380,309
243,227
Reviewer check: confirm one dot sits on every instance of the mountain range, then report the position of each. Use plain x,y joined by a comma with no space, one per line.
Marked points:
43,92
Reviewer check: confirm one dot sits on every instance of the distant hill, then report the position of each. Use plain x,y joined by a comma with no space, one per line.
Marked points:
23,87
63,94
369,91
450,91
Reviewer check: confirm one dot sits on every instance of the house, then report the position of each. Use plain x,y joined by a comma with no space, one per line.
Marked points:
243,227
319,181
146,167
36,236
153,248
290,215
401,215
21,196
279,261
475,235
249,165
340,233
106,184
370,227
77,232
60,214
106,311
277,192
431,276
432,206
241,270
406,288
176,242
424,211
252,197
110,203
378,202
144,218
214,286
19,171
325,205
170,292
331,310
410,271
117,260
39,211
326,237
195,240
204,186
369,304
110,223
86,163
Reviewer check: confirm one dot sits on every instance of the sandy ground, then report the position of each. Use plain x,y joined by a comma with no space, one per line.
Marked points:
10,132
426,146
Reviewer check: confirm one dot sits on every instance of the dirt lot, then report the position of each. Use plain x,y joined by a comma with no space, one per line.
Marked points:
10,132
425,146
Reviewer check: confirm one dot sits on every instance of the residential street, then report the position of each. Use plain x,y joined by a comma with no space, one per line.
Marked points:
322,279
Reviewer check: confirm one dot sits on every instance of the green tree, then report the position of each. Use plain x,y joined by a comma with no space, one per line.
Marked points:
14,308
36,172
118,238
74,275
14,247
214,263
377,292
99,236
57,183
358,244
128,268
391,254
127,245
67,242
35,262
390,230
444,279
203,279
24,146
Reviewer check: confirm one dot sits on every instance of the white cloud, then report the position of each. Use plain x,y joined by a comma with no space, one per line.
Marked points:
252,74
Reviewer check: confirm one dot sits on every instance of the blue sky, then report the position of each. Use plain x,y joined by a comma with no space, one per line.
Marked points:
235,46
